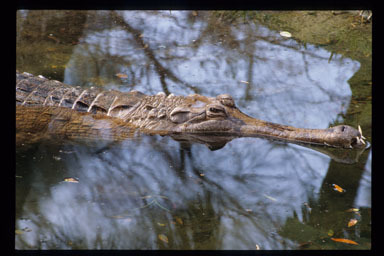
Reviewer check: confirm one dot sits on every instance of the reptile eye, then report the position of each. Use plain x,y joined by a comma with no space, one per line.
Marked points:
215,110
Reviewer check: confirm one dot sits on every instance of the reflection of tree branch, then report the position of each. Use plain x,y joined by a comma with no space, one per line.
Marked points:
233,201
163,72
326,92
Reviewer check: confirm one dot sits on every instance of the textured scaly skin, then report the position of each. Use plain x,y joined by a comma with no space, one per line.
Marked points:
47,108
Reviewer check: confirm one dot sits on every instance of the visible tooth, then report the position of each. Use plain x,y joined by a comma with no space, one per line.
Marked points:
361,132
363,137
362,141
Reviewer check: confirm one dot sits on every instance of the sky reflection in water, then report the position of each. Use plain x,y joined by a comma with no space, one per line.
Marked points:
232,198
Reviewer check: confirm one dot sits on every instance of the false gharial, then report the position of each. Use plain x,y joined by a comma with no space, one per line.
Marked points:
48,108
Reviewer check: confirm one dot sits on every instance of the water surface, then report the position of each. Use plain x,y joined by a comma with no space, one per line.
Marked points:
152,192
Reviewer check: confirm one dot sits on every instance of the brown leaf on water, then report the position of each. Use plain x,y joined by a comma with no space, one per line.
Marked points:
121,75
352,210
73,180
19,232
352,222
338,188
163,238
342,240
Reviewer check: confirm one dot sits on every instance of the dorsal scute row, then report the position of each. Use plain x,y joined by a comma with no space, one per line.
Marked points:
32,90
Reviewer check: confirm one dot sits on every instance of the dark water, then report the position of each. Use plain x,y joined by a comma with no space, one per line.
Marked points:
151,192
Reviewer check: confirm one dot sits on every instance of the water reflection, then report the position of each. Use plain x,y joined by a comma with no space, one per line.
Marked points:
363,198
232,198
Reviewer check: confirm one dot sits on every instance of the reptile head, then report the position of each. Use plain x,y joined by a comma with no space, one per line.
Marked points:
346,136
206,120
219,116
206,115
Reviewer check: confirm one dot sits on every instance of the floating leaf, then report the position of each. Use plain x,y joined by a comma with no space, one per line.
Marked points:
19,232
179,220
126,218
353,210
270,198
285,34
244,82
330,232
121,75
163,238
342,240
257,247
338,188
202,174
73,180
160,224
352,222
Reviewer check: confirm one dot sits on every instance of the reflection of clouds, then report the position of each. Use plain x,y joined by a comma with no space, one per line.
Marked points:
113,182
289,84
363,198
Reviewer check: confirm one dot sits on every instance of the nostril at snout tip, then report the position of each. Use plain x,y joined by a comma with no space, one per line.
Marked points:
354,141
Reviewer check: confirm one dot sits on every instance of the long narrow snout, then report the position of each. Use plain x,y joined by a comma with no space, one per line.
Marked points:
338,136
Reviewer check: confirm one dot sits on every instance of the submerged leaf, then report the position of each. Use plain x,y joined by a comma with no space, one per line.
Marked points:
338,188
163,238
352,222
343,240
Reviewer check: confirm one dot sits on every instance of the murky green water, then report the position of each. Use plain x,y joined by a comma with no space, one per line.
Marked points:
152,192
